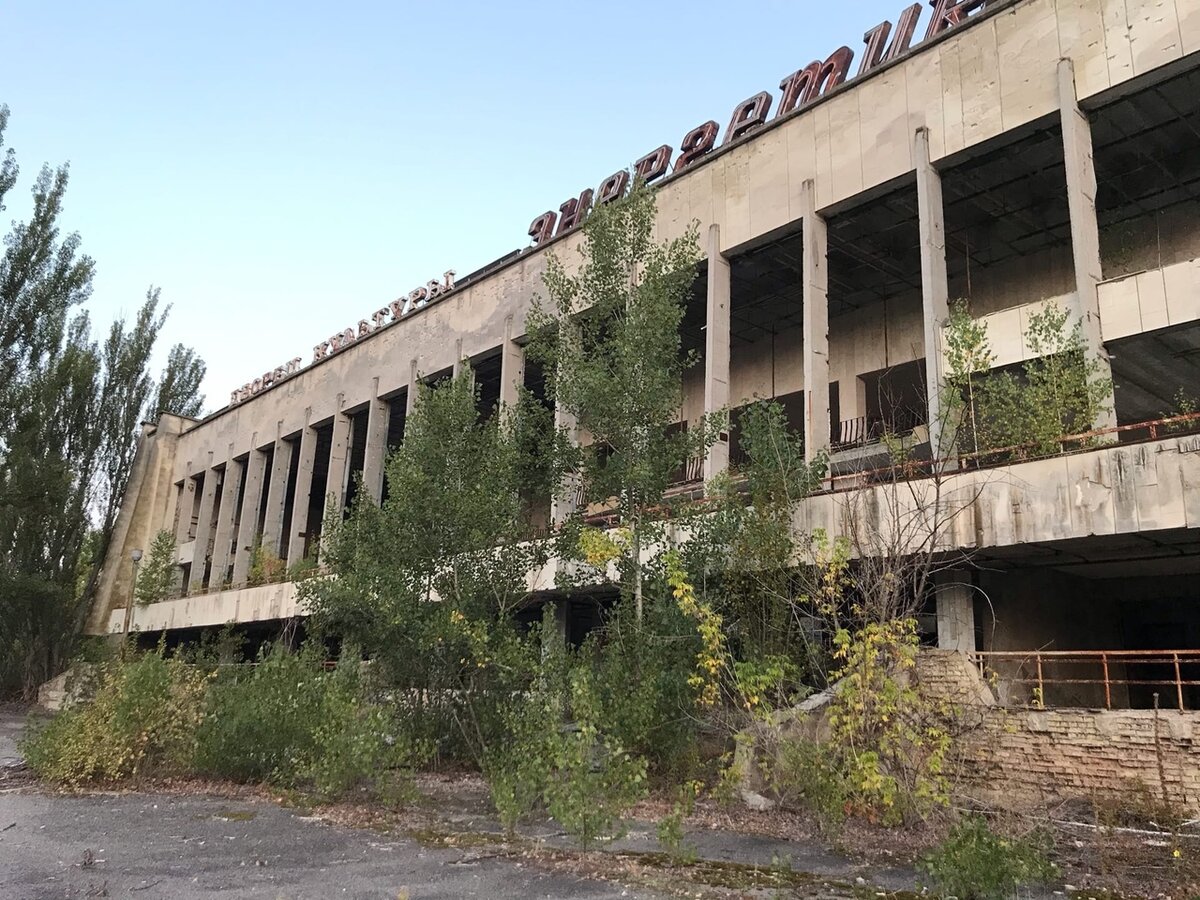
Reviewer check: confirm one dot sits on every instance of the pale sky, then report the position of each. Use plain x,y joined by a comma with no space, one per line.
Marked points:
281,170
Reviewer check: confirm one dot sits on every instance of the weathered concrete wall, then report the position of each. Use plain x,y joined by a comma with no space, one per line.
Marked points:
1149,300
145,510
255,604
1112,490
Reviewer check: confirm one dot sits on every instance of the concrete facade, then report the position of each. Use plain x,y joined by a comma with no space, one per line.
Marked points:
916,136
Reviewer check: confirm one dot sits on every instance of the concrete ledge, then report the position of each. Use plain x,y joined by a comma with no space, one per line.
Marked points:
254,604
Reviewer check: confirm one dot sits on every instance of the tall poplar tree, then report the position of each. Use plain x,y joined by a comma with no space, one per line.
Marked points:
610,341
69,415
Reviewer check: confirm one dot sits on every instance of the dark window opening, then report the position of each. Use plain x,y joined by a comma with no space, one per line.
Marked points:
264,491
356,459
316,493
289,499
397,415
488,380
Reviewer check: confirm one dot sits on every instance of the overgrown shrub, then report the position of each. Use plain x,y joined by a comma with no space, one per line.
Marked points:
142,720
975,863
291,722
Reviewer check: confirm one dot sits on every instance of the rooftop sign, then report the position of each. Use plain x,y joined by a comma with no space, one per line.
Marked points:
798,90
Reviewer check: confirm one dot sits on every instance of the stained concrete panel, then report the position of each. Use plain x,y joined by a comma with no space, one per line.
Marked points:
1152,300
770,199
1118,51
980,71
1154,38
885,128
736,195
1081,38
801,137
923,90
1023,33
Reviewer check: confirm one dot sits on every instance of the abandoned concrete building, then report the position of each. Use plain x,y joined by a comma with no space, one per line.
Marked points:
1014,154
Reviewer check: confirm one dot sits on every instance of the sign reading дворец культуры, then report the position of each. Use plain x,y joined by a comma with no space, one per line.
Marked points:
418,298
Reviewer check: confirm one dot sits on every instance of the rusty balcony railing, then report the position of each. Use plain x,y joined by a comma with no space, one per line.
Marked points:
1169,677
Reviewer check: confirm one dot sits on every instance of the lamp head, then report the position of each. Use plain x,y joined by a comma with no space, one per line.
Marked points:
136,555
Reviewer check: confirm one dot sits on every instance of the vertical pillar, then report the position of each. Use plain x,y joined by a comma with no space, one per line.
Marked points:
304,475
413,384
234,472
716,352
566,499
816,327
256,471
458,359
208,499
184,502
935,292
512,367
339,451
272,536
1085,228
378,414
955,612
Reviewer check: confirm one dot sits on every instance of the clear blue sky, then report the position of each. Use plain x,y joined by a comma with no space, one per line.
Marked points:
280,170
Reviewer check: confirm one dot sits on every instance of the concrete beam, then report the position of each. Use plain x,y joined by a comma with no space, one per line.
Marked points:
816,325
378,415
304,477
716,352
1085,228
272,535
512,367
935,291
256,471
204,529
955,611
235,471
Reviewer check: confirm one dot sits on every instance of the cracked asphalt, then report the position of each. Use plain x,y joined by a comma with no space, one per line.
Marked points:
160,846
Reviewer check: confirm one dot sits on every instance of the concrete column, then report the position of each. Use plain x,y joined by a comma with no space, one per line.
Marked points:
458,359
184,499
935,292
234,472
565,503
208,499
304,475
378,414
413,383
955,612
512,367
256,471
816,326
1085,228
716,352
272,536
339,454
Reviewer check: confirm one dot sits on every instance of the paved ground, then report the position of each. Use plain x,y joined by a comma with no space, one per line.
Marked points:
148,846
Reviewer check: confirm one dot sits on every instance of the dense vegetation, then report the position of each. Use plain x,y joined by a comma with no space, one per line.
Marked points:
70,408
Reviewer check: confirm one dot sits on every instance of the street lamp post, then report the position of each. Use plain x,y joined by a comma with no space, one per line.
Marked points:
136,556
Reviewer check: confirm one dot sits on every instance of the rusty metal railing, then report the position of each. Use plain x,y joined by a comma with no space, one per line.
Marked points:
1107,669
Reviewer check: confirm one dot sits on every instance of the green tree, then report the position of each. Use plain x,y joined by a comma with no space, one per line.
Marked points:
610,341
179,385
156,577
70,410
454,529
